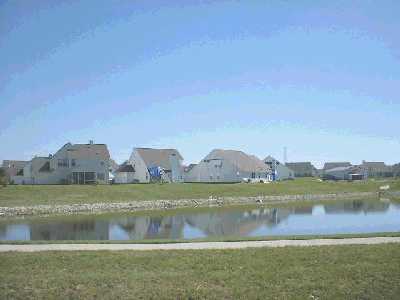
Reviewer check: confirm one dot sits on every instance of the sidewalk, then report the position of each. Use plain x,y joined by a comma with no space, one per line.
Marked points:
199,246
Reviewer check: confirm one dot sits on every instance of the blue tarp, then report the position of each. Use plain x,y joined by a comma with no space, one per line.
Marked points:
156,172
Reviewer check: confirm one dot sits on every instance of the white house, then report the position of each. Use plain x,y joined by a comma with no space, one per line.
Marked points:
228,166
151,165
72,164
280,171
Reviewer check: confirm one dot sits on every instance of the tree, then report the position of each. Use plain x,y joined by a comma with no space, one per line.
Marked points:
3,177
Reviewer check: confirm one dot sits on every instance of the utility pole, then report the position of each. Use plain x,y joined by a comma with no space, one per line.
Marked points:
284,155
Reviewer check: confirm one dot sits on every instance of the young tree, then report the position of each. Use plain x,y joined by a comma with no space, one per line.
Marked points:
3,177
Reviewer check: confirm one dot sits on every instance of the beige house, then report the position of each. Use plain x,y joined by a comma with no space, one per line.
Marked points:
72,164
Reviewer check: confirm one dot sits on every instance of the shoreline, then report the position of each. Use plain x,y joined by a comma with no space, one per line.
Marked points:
72,209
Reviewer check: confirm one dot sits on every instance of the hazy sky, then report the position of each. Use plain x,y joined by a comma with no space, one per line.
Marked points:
319,77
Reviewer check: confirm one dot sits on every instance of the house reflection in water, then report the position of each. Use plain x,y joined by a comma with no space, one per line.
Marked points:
70,230
356,206
228,222
147,227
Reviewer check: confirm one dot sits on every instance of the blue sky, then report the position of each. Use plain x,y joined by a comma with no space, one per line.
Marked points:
321,78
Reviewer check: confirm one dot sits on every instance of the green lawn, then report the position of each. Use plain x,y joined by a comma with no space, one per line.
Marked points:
69,194
334,272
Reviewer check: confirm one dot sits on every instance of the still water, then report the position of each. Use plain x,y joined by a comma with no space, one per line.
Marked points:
330,218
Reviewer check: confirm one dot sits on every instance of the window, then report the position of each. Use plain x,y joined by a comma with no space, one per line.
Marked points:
102,163
101,176
73,162
63,163
89,177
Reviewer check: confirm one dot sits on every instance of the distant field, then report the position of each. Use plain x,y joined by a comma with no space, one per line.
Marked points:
20,195
334,272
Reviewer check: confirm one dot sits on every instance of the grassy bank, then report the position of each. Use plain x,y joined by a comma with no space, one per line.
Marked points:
334,272
69,194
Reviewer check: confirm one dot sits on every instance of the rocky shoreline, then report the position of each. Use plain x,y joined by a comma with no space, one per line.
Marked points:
43,210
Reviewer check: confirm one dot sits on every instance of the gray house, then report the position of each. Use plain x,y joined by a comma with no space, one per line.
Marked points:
344,173
228,166
376,169
302,169
396,170
125,174
72,164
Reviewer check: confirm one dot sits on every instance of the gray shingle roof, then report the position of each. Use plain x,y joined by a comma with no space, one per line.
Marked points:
126,167
243,161
332,165
158,157
87,150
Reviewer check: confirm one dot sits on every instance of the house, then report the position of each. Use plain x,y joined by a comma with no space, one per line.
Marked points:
223,166
302,169
396,170
344,173
125,174
152,165
72,164
376,169
13,167
332,165
279,170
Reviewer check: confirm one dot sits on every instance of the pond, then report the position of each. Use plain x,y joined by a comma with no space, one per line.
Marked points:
312,219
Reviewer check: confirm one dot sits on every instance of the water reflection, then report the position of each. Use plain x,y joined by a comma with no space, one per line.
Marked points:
338,217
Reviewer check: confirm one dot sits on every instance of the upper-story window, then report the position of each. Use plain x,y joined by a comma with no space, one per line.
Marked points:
63,163
73,162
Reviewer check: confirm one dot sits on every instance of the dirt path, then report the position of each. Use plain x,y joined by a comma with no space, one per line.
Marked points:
199,246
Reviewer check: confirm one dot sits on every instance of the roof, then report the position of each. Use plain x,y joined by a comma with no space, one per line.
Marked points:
87,150
300,167
373,164
189,167
332,165
19,164
243,161
126,167
158,157
339,169
45,167
270,158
